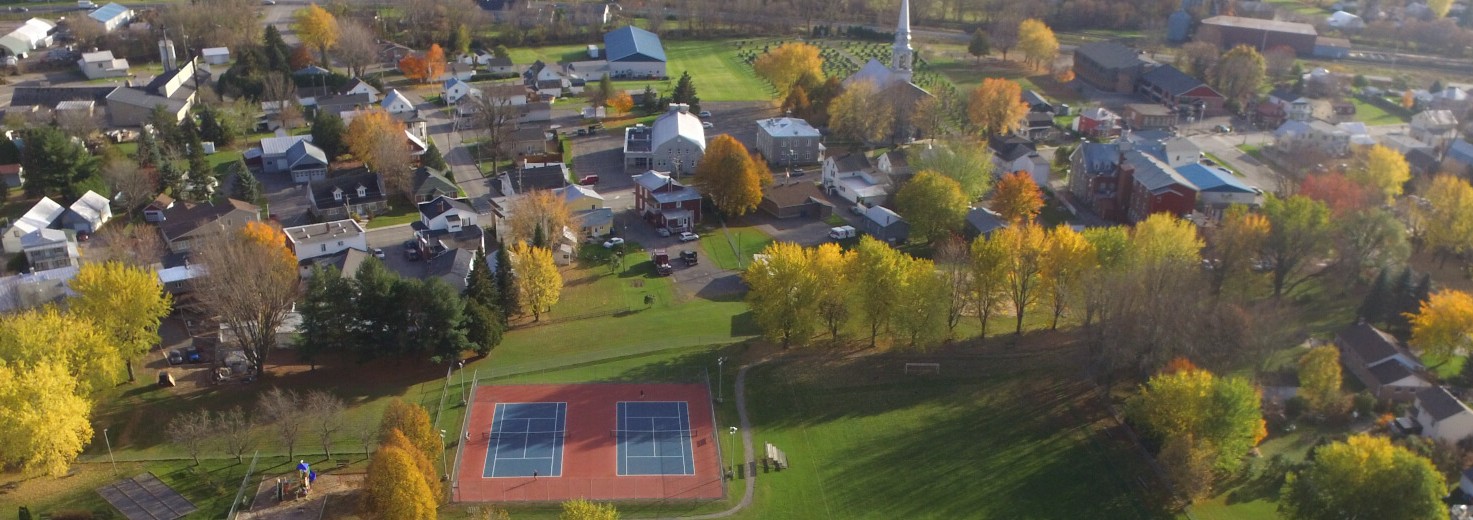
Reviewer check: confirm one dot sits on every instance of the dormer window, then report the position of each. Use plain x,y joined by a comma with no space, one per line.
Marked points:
337,194
362,191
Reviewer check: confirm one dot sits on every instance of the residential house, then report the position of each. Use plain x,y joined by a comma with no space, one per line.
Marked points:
356,193
1180,91
500,66
293,154
1036,125
1017,154
674,142
1360,134
216,55
397,103
505,93
1442,416
155,211
326,239
182,223
1155,187
594,220
894,165
48,249
1097,123
1380,362
634,53
88,213
1459,159
982,222
341,104
34,289
1317,135
546,177
1037,103
788,141
453,90
12,175
1175,151
430,184
39,217
358,86
795,199
174,90
1269,115
1147,116
452,266
530,140
534,112
457,70
1109,66
1094,180
1217,188
447,214
1404,144
851,177
1437,128
112,16
666,203
102,64
544,80
885,225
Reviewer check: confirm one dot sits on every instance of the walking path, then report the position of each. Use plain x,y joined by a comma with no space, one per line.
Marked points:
749,472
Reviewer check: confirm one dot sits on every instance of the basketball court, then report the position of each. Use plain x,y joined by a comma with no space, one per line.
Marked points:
550,443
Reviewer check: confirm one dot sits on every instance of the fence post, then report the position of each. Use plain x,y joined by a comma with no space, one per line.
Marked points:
243,481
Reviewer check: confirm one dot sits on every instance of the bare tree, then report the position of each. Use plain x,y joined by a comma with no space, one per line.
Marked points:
951,261
495,117
326,411
134,187
249,288
283,409
85,31
365,432
190,430
357,46
135,244
394,164
235,432
200,25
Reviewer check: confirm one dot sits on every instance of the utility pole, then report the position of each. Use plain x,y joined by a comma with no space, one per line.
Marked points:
720,364
110,451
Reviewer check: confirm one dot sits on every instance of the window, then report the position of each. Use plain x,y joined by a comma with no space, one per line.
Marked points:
337,194
362,191
324,247
340,243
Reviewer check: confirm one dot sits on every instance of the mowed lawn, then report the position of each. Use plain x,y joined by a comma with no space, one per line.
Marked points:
724,248
992,439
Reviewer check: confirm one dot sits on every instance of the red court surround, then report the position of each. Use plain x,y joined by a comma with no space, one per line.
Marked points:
589,449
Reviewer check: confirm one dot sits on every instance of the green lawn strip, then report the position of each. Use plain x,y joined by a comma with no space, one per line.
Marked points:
1373,115
749,241
718,73
1445,368
210,486
1222,163
1252,150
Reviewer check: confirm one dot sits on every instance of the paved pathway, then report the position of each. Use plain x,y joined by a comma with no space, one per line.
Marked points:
750,473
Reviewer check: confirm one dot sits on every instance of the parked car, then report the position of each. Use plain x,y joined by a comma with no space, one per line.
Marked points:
707,124
19,9
175,358
411,254
857,209
663,232
378,253
192,355
689,257
1224,129
616,241
661,261
269,2
688,236
841,232
797,172
588,180
705,114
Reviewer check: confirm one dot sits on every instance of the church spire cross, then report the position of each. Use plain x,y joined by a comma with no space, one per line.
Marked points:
902,55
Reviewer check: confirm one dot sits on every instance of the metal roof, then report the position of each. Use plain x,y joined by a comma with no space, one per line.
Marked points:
1212,178
109,12
280,145
1154,174
677,123
787,127
1261,24
1110,55
631,43
1171,79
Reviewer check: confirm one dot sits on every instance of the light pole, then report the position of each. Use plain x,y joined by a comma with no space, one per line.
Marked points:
443,462
720,363
732,434
110,458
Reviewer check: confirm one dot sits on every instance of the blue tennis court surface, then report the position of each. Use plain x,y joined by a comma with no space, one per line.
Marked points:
526,439
654,438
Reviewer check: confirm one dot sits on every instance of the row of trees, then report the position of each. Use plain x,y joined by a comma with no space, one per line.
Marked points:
290,416
401,483
375,313
52,362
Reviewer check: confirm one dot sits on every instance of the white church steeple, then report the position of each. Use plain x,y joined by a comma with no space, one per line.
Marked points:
902,56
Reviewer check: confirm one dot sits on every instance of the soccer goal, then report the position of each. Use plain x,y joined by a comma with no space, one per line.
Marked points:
923,368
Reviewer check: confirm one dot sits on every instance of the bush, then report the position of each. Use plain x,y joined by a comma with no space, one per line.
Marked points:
1294,407
1364,404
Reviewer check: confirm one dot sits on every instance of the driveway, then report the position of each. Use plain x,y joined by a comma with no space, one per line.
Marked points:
285,199
1225,147
703,280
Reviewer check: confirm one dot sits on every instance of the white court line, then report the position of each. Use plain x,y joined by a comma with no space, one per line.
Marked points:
559,411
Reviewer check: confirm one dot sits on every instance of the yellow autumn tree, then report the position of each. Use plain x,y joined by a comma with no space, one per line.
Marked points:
996,106
1450,208
781,293
32,337
412,422
46,419
1440,328
1221,412
580,509
368,131
316,27
1037,42
933,204
394,489
788,62
1067,257
1237,241
1440,8
730,177
1026,244
1320,379
1381,170
621,102
126,302
1016,198
1165,239
539,284
832,266
422,463
538,209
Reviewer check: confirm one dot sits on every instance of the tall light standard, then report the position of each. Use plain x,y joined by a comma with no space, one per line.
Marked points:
110,458
732,434
720,363
443,462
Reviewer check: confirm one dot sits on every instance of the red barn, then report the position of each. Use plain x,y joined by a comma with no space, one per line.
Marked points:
1154,187
665,203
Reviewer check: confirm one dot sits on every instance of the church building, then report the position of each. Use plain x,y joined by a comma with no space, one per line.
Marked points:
897,81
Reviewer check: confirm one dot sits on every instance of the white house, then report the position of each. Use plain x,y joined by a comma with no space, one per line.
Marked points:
506,93
329,238
102,64
1434,127
453,90
48,249
545,79
675,142
1016,154
88,213
850,176
1315,134
358,86
1443,416
1344,20
447,214
40,216
112,16
397,103
216,55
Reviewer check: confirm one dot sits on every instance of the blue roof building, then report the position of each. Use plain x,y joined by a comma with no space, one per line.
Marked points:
1218,188
634,53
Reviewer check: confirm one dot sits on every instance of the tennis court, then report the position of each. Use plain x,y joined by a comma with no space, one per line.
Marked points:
654,438
526,440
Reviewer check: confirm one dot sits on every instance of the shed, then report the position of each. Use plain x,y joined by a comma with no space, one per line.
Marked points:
216,55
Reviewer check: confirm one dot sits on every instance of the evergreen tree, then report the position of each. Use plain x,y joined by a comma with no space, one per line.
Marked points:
200,172
167,127
1423,291
1373,308
246,186
481,286
277,51
685,92
328,304
171,177
56,165
148,150
539,237
327,133
506,285
651,101
605,91
484,327
9,152
211,130
1403,301
433,159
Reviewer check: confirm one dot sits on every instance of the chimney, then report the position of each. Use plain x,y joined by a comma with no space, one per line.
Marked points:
680,107
166,54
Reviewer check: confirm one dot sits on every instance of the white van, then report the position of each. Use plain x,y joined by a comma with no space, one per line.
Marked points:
841,232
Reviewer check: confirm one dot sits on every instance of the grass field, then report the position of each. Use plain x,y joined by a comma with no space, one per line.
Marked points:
1373,115
749,241
718,73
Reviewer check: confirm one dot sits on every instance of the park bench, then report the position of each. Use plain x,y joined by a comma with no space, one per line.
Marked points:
777,457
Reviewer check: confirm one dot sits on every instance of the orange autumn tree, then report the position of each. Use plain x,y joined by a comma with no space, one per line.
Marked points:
415,68
434,63
368,131
622,102
996,107
1016,198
